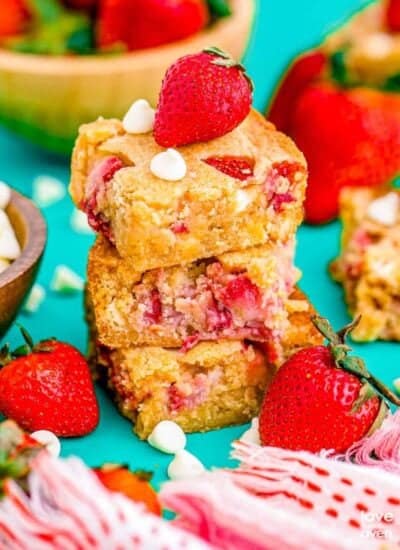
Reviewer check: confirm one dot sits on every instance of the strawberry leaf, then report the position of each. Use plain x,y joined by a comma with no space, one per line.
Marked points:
219,8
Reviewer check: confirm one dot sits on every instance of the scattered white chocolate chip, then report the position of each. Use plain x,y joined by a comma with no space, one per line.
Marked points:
140,118
5,195
35,299
4,264
47,191
252,435
79,223
185,466
396,384
167,437
9,246
66,281
385,210
243,199
168,165
49,440
377,45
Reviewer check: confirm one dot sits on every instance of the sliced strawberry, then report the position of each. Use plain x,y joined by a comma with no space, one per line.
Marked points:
243,297
240,168
305,69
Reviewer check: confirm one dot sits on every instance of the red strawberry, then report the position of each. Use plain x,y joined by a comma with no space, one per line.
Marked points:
148,23
305,69
243,297
349,138
203,96
134,485
48,387
13,18
240,168
393,15
322,398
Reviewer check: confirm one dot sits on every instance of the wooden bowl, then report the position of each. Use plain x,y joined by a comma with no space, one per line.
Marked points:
16,280
46,98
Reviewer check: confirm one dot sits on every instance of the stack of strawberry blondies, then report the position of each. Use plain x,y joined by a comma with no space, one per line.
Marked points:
191,283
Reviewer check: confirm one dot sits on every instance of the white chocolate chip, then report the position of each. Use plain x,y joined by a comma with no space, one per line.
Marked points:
47,191
168,165
140,118
243,199
167,437
79,222
377,45
5,195
66,281
385,210
35,298
185,466
252,435
49,440
9,246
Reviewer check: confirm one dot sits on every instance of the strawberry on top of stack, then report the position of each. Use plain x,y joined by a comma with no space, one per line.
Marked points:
85,27
340,104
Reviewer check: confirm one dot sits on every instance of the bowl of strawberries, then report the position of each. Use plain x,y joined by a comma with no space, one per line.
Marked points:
65,62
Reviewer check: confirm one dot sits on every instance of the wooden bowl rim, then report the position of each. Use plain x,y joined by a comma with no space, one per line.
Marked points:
243,10
36,234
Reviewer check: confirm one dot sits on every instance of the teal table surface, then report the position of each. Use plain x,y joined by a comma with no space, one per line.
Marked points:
281,30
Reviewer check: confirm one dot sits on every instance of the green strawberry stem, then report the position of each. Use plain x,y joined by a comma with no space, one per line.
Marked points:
7,355
354,365
223,59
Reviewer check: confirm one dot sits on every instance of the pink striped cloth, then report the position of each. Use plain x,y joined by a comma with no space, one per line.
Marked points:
68,509
284,500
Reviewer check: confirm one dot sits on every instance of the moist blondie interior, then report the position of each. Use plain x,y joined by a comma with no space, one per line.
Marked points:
235,296
213,385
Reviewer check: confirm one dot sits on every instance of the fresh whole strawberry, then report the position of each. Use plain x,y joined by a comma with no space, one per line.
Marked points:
134,485
203,96
393,15
143,24
349,138
305,69
48,387
323,398
14,15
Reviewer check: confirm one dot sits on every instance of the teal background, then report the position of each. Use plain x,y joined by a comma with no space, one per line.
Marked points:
282,29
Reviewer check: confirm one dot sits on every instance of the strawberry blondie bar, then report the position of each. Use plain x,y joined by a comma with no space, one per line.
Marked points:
240,190
369,263
233,296
215,384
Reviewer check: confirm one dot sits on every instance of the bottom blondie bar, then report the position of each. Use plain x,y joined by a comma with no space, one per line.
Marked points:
213,385
369,263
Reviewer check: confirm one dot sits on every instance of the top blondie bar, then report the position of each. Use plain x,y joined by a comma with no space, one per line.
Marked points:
240,190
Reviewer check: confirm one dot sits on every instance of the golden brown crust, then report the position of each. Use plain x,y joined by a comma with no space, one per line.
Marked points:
209,202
